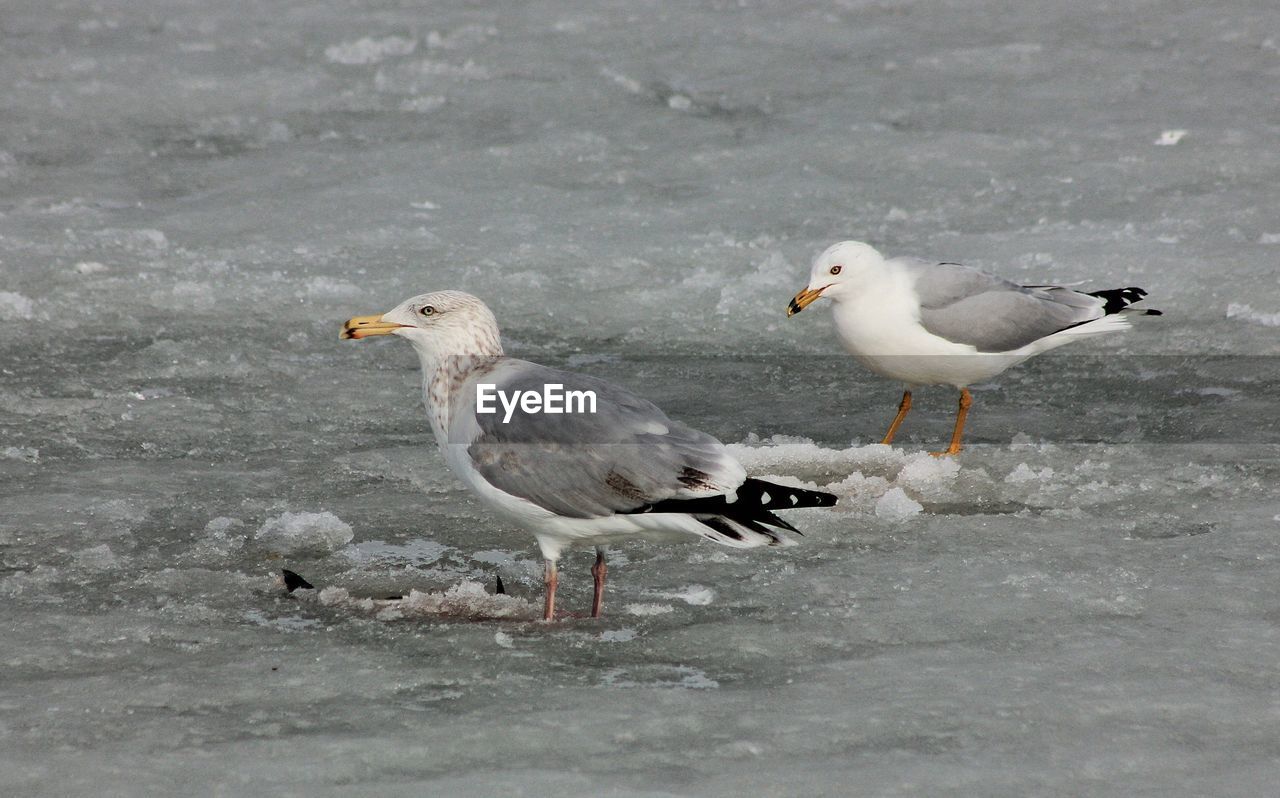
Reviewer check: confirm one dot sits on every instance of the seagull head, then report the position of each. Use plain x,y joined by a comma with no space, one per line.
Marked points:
437,324
837,272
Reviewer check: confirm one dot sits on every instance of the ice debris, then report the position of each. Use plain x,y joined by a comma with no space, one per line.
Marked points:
305,533
896,505
466,600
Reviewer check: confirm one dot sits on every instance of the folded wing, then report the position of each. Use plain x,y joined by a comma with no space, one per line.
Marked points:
624,456
969,306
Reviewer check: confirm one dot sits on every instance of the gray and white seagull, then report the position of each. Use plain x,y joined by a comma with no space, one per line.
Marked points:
623,472
928,323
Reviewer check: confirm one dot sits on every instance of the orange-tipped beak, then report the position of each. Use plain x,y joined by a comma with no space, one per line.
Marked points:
365,326
804,299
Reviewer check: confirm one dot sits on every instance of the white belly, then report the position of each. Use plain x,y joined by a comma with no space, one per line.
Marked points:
889,341
555,533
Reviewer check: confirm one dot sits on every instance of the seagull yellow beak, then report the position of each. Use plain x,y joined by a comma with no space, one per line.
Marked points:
804,299
365,326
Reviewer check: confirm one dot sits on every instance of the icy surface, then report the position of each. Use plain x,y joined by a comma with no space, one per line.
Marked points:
302,534
193,196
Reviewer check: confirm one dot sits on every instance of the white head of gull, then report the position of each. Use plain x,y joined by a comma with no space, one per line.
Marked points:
924,322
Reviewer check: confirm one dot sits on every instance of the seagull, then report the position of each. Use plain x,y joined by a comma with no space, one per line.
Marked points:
622,472
927,323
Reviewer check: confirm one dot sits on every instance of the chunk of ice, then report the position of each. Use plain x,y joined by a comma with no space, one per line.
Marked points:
896,505
466,600
305,533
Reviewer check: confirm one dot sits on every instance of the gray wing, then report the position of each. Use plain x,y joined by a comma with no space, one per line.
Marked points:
969,306
623,456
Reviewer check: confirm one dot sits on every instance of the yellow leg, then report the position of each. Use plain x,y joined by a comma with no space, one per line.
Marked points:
903,407
551,577
966,399
598,571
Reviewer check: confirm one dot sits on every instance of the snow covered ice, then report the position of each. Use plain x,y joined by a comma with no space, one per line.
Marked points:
194,196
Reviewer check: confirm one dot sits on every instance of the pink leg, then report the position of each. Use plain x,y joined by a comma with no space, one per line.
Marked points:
551,577
598,571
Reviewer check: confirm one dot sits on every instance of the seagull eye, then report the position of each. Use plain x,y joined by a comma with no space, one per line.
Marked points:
428,310
836,269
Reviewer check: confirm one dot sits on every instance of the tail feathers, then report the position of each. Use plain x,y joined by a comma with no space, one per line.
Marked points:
1119,299
741,533
1102,325
748,514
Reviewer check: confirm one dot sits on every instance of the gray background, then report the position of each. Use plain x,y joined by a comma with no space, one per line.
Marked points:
194,195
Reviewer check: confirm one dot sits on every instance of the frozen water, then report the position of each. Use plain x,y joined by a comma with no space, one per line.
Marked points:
466,600
16,307
895,504
193,196
303,534
1238,310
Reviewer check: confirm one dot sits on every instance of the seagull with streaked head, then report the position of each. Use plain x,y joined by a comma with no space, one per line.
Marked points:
622,472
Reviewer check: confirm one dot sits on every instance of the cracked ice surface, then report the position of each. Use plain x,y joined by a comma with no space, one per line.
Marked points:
194,195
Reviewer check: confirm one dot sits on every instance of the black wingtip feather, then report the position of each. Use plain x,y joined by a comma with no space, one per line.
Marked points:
754,505
1118,299
293,581
722,526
